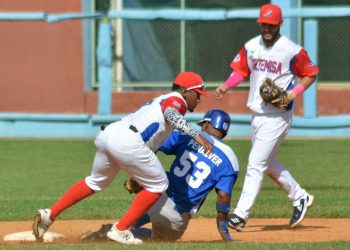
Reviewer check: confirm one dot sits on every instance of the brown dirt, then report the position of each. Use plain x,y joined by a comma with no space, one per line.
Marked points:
204,229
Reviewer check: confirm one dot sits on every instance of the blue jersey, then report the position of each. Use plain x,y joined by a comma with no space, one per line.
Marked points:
194,174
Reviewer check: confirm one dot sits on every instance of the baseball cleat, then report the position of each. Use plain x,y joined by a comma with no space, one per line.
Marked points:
41,223
122,236
300,210
236,222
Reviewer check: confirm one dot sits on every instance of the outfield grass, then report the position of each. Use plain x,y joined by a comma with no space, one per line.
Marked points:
35,173
336,245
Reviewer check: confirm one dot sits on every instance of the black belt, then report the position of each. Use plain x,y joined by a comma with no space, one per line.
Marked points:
133,128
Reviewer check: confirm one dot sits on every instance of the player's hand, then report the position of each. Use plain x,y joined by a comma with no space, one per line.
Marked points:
207,146
220,91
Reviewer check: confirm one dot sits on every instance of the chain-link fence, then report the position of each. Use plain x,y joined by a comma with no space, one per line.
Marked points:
154,51
333,50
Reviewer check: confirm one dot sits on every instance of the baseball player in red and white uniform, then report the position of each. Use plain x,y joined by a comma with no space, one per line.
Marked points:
275,56
130,145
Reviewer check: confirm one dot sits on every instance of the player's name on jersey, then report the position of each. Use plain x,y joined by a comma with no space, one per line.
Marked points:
213,157
266,65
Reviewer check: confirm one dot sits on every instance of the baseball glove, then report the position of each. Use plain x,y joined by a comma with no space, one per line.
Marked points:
132,186
98,235
273,94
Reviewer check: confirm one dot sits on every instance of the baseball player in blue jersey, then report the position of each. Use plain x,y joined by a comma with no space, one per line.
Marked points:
192,176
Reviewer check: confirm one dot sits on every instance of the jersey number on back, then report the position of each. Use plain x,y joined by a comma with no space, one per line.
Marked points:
198,175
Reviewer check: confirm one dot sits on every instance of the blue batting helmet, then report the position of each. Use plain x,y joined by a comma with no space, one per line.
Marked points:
218,119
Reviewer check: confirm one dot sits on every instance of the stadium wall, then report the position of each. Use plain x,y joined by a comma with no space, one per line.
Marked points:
46,97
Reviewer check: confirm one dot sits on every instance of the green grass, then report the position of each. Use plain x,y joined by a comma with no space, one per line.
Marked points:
35,173
335,245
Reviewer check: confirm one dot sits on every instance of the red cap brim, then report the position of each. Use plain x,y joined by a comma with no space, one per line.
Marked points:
267,20
201,91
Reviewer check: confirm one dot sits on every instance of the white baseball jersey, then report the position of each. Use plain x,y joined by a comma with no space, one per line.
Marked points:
129,144
149,119
282,62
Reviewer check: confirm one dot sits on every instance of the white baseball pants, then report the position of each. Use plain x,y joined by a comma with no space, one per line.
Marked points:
118,147
268,132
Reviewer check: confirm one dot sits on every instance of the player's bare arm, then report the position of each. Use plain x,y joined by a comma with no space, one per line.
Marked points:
306,81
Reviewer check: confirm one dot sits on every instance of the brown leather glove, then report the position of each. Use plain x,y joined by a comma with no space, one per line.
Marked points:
132,186
273,94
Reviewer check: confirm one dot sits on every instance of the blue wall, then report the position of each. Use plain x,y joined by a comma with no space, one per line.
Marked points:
80,126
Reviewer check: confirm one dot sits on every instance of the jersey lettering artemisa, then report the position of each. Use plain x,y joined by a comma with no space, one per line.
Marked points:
194,174
284,62
149,119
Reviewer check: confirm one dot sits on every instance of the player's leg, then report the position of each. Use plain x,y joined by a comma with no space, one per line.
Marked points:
285,180
134,157
251,186
143,220
299,197
267,133
280,175
102,175
147,170
168,224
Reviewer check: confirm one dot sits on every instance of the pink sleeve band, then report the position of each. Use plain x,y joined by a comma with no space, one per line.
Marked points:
234,79
298,89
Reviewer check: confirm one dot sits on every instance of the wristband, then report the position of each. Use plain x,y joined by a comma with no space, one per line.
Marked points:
298,89
225,208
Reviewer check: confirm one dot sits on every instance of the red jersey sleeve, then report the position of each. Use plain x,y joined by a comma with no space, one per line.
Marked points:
176,103
302,65
240,63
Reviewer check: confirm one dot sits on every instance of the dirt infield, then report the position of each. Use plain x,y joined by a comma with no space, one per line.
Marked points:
204,229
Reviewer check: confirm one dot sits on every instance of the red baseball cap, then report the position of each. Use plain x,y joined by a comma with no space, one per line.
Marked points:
271,14
191,80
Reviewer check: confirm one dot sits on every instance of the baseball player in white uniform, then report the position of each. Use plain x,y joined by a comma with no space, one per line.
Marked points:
270,55
129,145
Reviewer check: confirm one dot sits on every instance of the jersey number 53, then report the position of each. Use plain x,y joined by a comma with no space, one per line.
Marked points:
199,172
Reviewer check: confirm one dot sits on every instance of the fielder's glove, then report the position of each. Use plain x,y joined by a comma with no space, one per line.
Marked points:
223,229
273,94
132,186
98,235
